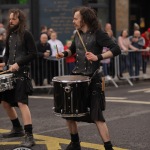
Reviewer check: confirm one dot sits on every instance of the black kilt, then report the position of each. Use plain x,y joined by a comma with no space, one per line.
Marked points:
18,94
96,102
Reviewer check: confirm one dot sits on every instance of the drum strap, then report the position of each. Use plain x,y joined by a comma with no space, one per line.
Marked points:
101,75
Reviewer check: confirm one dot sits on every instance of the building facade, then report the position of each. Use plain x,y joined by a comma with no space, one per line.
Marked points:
57,14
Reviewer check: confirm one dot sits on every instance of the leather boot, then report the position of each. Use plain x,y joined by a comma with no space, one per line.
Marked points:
74,146
28,140
108,148
15,132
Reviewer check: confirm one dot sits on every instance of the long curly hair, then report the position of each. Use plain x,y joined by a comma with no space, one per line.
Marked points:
88,17
22,23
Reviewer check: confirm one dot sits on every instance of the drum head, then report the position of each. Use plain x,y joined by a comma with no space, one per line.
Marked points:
71,78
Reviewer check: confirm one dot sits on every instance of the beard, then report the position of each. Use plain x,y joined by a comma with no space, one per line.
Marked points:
79,27
13,27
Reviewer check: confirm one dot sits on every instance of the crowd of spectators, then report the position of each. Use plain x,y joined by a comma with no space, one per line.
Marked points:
135,53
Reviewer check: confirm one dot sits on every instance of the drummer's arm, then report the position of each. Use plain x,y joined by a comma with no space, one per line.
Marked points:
67,52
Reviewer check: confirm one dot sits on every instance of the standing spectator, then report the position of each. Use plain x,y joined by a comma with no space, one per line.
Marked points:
44,51
55,44
125,45
108,27
112,60
135,58
69,60
2,40
49,31
146,54
106,64
1,25
43,29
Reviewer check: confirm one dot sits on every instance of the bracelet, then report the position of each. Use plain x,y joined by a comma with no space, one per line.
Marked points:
100,57
65,53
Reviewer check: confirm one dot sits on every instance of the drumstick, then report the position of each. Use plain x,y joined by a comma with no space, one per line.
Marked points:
82,42
4,72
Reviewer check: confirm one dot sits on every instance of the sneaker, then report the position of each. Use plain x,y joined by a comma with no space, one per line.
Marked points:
145,76
108,77
15,132
74,146
28,141
109,149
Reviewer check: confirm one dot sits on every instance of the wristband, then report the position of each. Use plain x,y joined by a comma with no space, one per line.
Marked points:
100,57
65,53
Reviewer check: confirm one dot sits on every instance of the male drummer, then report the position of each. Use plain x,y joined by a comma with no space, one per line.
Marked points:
20,50
94,38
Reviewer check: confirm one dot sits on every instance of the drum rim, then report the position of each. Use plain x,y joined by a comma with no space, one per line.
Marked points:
71,115
72,81
5,76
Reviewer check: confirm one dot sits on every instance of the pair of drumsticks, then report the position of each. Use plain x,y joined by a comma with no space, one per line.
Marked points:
81,42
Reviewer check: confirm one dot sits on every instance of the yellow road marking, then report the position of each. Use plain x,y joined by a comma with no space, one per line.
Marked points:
53,143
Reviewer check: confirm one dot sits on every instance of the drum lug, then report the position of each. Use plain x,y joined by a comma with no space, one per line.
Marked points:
67,89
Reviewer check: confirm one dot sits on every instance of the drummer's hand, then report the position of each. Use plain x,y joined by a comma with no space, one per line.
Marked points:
14,67
2,66
90,56
59,55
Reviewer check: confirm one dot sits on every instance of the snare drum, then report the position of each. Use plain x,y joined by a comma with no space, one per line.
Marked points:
71,95
6,82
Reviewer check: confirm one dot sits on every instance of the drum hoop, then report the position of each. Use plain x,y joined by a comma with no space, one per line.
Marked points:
5,76
55,79
71,115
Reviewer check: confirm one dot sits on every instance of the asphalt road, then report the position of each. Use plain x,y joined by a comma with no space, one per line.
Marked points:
127,115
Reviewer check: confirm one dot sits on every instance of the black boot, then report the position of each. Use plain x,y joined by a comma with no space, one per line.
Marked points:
108,146
15,132
28,140
74,146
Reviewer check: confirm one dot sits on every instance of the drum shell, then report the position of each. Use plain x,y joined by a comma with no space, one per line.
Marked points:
6,82
71,98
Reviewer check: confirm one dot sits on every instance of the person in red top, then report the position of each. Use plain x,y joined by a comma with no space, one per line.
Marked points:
70,61
146,54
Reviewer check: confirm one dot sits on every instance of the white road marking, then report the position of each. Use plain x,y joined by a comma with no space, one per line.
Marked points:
108,99
140,90
129,101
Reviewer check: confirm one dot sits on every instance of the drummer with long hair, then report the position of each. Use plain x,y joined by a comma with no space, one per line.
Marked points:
88,44
20,51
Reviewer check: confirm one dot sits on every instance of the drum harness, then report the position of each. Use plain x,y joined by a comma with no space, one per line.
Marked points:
99,71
